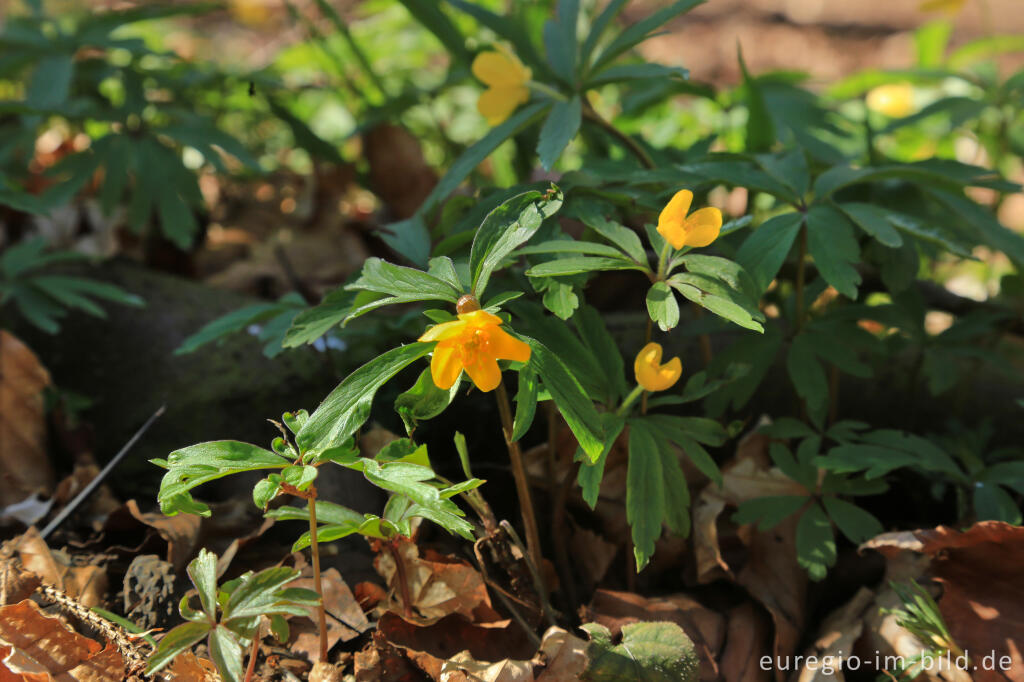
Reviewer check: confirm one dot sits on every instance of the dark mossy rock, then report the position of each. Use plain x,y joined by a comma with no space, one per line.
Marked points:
126,365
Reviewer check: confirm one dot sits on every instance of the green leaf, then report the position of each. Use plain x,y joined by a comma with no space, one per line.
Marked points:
348,405
677,493
931,41
258,594
558,130
559,297
874,221
815,544
430,15
176,218
408,284
407,479
526,403
226,653
831,242
597,29
645,492
620,235
806,372
641,30
203,572
991,502
855,523
581,264
197,464
636,72
51,81
505,229
768,512
719,298
595,335
177,641
424,400
311,324
231,323
562,246
765,250
572,402
662,306
591,473
649,652
760,128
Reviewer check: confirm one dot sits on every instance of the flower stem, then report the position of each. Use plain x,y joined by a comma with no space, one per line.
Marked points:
519,473
317,582
630,399
628,142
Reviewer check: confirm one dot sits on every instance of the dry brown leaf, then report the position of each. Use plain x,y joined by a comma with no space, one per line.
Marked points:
837,636
767,567
180,532
462,668
187,667
37,646
87,584
437,585
563,655
24,465
345,619
16,583
592,554
982,598
746,641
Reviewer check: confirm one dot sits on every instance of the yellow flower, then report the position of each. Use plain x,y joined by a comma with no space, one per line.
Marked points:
895,100
475,342
653,375
698,229
250,12
506,79
950,6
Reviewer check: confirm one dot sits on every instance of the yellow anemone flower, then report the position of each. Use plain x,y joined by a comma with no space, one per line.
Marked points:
653,375
506,79
700,228
250,12
895,100
475,342
950,6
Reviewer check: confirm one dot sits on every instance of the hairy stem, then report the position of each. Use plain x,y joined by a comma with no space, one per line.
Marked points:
519,473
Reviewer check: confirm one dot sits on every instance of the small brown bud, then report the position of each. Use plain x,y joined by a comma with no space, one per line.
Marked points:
467,304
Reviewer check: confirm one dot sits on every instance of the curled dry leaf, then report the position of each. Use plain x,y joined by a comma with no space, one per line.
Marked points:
188,667
179,532
563,655
436,585
462,668
24,465
35,647
87,584
768,568
982,598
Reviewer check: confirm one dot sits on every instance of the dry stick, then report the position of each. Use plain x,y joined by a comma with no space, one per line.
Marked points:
538,583
506,599
88,489
522,485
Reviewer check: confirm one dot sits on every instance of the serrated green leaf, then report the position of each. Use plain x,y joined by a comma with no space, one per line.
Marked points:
558,130
645,493
831,242
526,403
815,544
765,250
649,652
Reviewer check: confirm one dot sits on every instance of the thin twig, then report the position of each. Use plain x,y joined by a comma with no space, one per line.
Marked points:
91,486
506,600
628,142
538,582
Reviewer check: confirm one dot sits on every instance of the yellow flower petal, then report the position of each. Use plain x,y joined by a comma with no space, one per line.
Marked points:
497,104
485,373
653,375
498,70
951,6
673,233
480,318
676,208
445,367
444,330
895,100
504,346
703,226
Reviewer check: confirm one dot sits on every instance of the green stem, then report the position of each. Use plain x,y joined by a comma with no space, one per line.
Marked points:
630,399
547,90
629,143
317,582
800,274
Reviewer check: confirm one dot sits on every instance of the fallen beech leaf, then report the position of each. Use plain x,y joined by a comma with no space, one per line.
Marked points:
24,465
837,635
345,619
462,668
16,583
563,655
180,532
746,641
982,590
87,584
592,553
36,646
437,586
187,667
653,652
767,567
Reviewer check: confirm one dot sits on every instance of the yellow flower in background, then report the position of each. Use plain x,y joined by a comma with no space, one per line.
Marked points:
698,229
506,79
250,12
653,375
475,342
895,100
950,6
